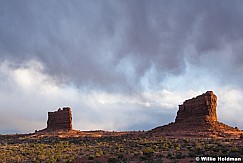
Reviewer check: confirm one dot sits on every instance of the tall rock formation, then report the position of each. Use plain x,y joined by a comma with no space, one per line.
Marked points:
60,120
198,117
201,108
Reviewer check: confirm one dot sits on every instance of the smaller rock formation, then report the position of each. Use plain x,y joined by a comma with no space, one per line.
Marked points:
60,120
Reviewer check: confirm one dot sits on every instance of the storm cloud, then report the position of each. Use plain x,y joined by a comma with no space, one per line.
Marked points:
119,49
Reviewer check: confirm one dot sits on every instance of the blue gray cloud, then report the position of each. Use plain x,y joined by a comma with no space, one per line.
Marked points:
90,42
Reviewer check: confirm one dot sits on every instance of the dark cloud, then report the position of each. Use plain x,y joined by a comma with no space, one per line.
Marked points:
121,65
87,43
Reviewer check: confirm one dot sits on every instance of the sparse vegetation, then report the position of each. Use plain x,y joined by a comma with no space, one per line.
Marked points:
120,148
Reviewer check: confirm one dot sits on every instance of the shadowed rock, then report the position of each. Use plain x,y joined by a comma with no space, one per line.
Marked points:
60,120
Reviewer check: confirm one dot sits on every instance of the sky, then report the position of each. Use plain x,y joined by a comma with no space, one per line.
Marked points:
120,65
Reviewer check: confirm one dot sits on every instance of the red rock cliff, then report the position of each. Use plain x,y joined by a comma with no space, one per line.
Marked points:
201,108
60,120
197,117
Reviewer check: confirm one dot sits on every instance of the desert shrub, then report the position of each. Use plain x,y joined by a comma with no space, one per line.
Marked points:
165,146
142,158
148,151
178,155
169,155
191,154
234,152
234,149
186,140
91,157
215,149
112,160
177,146
70,159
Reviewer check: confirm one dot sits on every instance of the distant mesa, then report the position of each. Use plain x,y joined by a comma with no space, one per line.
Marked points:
60,120
198,117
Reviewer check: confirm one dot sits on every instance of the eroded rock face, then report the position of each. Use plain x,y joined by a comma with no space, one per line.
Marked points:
201,108
197,117
60,120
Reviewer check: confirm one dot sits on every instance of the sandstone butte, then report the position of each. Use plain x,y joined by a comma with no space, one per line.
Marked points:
60,120
198,117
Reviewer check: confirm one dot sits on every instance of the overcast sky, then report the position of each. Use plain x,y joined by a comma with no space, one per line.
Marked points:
120,65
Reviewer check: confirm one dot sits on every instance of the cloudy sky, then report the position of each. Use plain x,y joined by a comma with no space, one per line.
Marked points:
120,65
